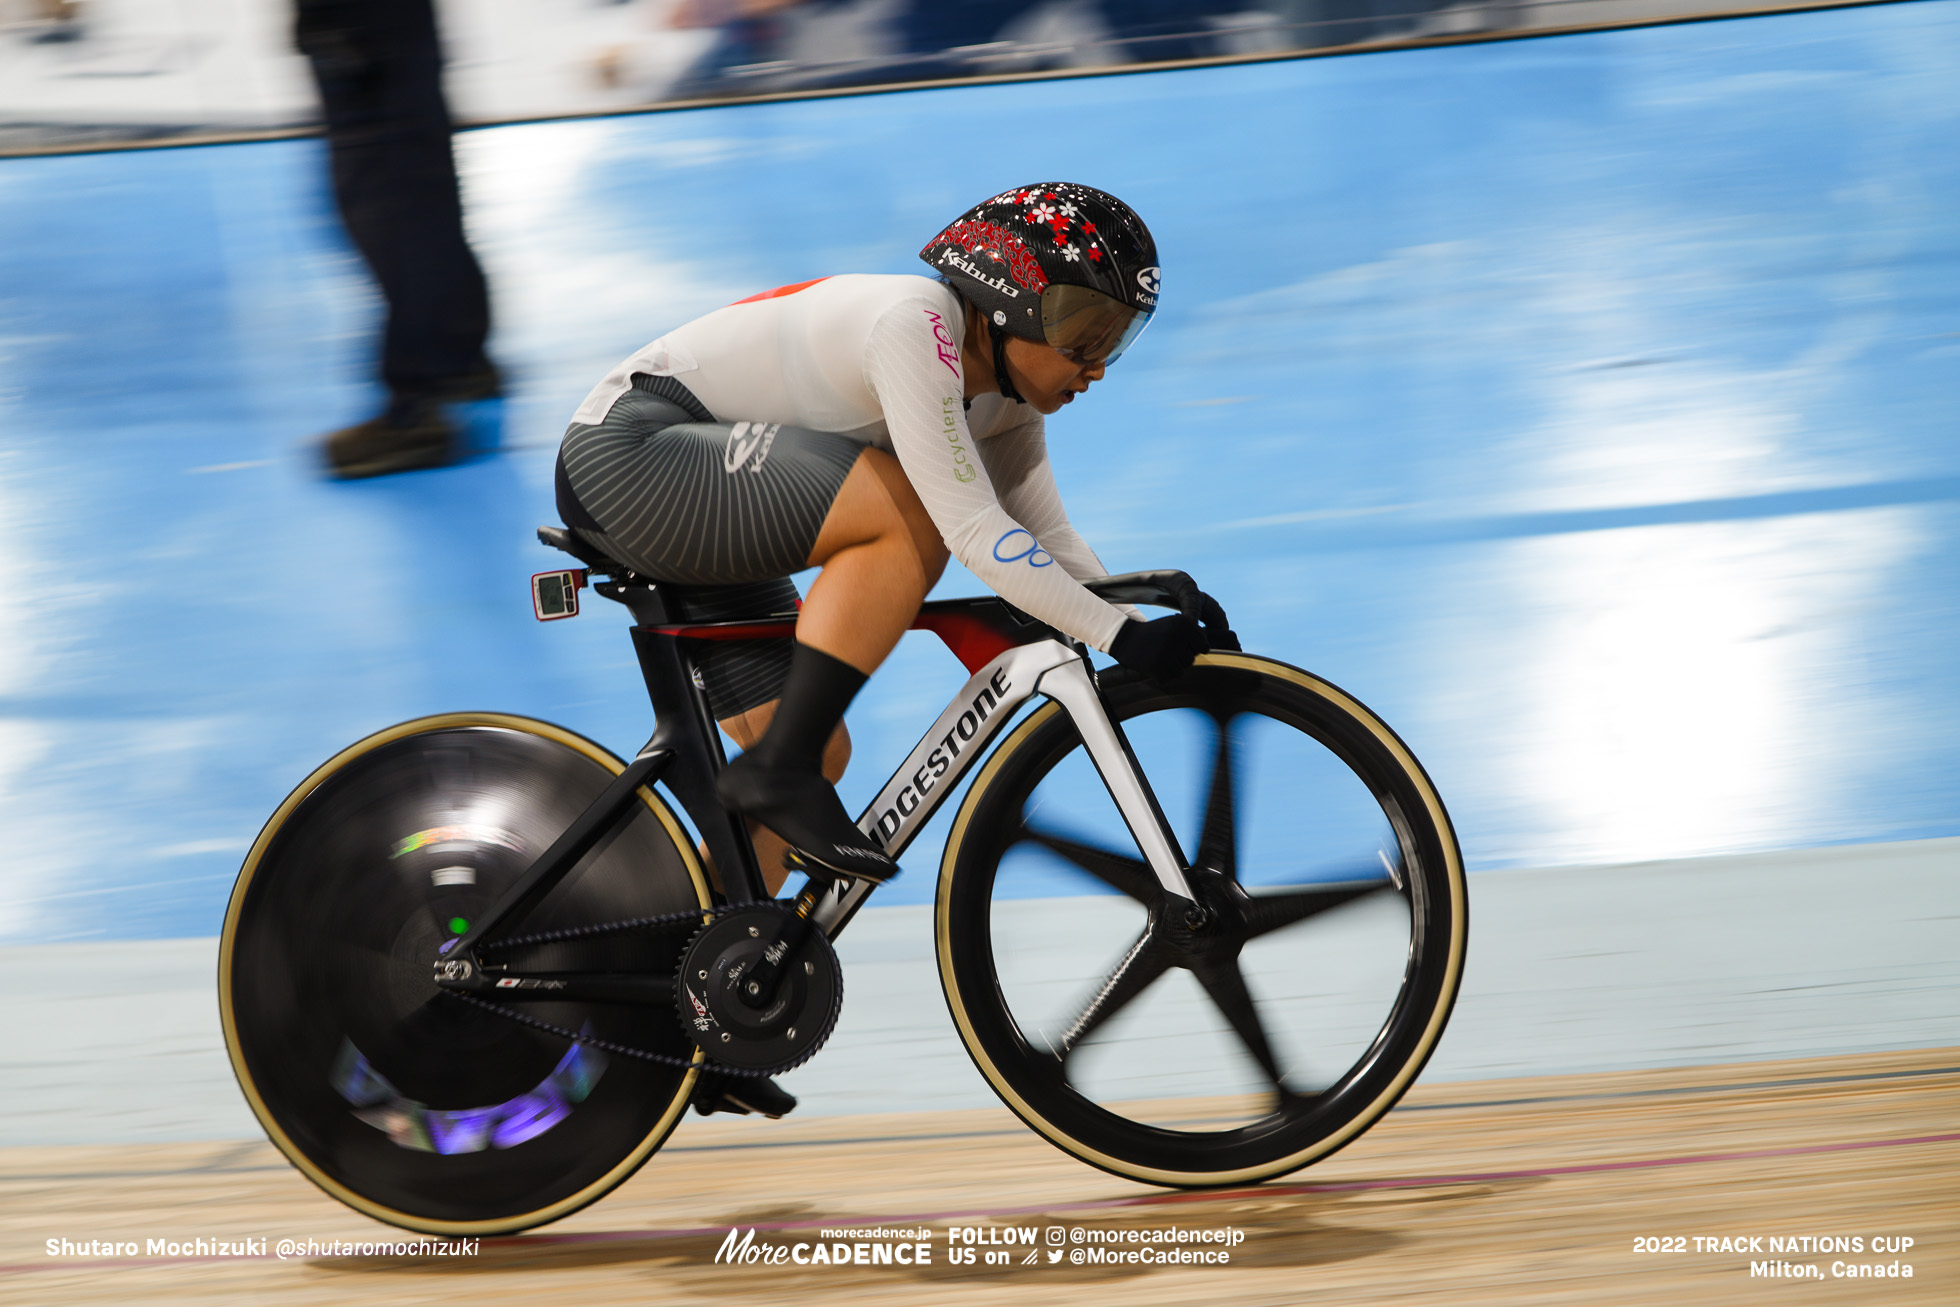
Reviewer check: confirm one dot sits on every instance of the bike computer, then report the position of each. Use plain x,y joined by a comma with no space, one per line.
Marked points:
555,594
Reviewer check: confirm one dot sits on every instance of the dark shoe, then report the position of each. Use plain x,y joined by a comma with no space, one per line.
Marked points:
804,809
406,437
741,1096
484,382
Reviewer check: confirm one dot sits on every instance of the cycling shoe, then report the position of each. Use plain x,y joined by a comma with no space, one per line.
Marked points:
742,1095
804,809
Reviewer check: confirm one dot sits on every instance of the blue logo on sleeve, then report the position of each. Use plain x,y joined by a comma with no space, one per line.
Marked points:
1034,553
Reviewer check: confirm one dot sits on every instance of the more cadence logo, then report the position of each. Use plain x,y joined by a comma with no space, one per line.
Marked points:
868,1247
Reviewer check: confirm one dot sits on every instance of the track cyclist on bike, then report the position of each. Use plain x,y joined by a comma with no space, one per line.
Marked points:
472,972
867,425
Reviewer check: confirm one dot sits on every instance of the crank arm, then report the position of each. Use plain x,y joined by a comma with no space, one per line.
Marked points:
759,986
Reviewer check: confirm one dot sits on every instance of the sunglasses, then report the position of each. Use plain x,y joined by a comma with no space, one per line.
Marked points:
1088,327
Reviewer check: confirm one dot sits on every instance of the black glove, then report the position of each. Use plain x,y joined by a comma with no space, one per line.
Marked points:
1159,649
1218,630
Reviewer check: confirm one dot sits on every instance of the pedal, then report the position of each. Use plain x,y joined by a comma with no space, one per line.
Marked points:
741,1096
796,860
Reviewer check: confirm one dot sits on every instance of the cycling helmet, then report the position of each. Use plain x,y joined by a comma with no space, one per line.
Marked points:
1067,265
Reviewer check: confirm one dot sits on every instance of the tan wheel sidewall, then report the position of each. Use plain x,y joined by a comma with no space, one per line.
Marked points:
1452,978
402,730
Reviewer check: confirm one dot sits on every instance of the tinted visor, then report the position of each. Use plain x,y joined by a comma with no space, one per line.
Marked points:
1088,326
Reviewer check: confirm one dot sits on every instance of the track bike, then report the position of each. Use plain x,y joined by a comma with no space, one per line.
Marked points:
474,965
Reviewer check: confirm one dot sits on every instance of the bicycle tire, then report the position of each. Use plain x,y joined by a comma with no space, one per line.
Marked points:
990,941
401,1101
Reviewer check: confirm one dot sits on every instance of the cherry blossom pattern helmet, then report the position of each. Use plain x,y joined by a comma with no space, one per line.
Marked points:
1067,265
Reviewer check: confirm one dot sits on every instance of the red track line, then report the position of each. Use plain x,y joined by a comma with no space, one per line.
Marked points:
1094,1204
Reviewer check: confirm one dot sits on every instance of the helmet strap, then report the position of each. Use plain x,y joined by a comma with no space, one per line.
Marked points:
1000,364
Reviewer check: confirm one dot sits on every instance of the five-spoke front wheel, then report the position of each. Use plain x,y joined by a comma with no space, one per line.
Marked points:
1253,1031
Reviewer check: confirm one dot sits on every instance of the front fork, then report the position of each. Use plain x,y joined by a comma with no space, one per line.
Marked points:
1072,686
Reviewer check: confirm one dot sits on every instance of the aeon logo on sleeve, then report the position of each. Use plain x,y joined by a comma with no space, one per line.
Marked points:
748,445
949,353
1034,553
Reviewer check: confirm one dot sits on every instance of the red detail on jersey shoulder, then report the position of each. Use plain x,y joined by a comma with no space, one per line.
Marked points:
781,291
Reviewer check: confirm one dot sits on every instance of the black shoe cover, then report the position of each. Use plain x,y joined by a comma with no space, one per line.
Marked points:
741,1095
804,809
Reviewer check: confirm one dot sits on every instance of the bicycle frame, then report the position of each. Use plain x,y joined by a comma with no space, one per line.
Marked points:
1011,658
960,738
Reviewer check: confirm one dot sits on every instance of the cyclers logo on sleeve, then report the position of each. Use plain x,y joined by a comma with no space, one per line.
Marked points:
748,445
1034,553
949,426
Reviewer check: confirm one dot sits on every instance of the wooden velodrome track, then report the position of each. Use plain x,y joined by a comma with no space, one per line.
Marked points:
1520,1191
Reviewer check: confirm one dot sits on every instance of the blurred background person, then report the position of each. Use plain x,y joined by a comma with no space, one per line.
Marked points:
378,64
780,45
54,20
763,46
773,45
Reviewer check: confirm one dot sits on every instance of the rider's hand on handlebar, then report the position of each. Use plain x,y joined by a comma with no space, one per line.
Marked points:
1218,629
1161,648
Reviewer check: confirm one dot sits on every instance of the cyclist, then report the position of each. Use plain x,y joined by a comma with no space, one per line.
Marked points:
867,425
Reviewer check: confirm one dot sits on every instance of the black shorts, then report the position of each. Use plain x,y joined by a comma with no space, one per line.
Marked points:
720,513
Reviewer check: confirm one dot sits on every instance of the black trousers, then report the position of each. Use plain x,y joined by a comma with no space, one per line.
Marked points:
378,64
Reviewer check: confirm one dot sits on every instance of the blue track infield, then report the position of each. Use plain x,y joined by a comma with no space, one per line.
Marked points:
1585,405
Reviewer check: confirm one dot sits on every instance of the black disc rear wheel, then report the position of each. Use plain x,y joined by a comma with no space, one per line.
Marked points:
411,1104
1262,1032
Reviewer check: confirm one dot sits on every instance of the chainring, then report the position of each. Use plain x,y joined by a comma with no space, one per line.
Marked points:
714,1013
